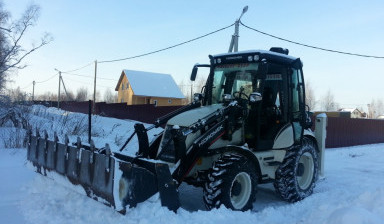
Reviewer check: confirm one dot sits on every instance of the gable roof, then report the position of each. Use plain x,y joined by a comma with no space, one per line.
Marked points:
151,84
350,110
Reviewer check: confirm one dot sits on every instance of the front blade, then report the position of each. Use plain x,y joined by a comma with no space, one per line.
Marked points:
115,180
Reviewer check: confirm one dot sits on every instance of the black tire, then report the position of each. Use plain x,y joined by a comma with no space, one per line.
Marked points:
297,175
232,182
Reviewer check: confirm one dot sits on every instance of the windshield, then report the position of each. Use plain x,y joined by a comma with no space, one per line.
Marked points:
229,78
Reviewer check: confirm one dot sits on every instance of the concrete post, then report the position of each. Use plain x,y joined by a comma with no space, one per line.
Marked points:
321,134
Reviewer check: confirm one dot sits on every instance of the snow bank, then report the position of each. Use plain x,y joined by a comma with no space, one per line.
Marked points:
351,192
104,129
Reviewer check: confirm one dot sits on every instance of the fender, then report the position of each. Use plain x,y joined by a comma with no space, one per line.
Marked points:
237,149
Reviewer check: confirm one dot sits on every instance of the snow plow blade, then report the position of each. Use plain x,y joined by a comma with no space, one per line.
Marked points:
114,179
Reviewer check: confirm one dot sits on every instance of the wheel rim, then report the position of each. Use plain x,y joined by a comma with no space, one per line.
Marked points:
305,171
241,188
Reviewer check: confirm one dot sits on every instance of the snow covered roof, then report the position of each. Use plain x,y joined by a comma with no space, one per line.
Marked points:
351,110
347,110
151,84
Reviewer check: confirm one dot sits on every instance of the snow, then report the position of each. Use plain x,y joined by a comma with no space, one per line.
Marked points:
153,84
351,192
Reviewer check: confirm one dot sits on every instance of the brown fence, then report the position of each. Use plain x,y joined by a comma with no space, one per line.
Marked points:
342,132
147,113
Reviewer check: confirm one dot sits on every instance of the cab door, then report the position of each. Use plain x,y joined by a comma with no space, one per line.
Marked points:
297,104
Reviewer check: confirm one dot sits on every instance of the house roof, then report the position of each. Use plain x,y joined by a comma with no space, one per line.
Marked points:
347,110
350,110
151,84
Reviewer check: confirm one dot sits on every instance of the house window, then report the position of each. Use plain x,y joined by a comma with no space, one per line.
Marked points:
148,101
122,86
127,86
155,102
169,101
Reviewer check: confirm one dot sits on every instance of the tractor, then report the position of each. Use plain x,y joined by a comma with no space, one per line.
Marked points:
248,126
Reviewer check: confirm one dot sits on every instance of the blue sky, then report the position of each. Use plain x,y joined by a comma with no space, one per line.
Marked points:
85,31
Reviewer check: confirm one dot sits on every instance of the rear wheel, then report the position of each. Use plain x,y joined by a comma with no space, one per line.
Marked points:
232,183
296,176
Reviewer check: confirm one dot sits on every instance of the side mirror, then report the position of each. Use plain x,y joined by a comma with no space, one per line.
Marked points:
194,73
197,97
255,97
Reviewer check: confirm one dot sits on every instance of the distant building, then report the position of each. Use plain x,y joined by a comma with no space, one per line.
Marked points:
355,113
345,112
333,113
138,87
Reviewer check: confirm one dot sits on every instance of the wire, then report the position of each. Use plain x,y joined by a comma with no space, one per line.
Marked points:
27,85
74,70
88,84
87,76
310,46
40,81
167,48
48,78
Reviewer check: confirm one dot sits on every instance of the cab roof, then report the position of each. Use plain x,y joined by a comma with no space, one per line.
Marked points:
249,56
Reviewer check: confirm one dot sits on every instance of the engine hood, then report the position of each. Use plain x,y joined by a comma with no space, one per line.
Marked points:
189,117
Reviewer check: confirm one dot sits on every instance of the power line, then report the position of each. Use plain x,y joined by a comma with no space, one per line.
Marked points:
27,85
132,57
310,46
87,76
40,81
48,78
88,84
77,69
167,48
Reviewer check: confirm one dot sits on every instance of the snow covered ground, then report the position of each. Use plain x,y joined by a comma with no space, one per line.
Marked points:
351,192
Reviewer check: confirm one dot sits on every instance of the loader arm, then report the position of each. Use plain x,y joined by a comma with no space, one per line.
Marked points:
220,125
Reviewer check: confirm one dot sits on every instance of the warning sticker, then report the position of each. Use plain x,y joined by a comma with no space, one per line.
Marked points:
240,65
274,77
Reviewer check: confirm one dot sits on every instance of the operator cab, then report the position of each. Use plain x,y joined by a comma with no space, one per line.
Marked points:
276,80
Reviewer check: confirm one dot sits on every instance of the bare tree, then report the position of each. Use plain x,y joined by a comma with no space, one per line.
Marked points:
109,97
16,95
375,108
11,35
185,88
310,97
69,96
328,102
81,94
379,107
189,88
47,96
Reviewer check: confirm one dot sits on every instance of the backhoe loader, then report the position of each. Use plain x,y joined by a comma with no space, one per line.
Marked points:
248,126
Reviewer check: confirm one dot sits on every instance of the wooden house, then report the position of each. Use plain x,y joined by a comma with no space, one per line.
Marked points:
138,87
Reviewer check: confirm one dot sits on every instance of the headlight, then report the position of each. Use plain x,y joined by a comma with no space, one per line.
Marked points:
255,97
227,97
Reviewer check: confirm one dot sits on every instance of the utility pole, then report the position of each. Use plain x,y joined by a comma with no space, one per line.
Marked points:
58,95
66,93
94,89
234,45
191,92
33,91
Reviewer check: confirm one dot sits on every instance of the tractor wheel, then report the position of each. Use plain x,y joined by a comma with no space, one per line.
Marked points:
296,176
232,182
